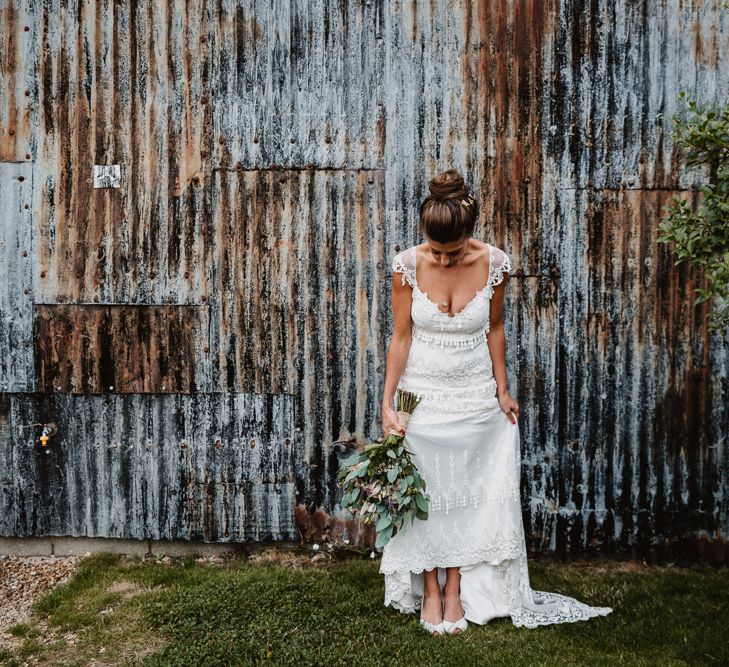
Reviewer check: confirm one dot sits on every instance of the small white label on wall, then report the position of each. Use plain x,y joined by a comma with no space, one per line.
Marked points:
107,176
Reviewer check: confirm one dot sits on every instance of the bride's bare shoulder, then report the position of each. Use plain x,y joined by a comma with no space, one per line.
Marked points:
482,250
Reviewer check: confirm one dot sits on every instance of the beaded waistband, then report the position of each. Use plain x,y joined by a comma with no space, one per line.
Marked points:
448,338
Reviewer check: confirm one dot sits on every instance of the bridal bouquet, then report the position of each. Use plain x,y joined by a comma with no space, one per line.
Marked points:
381,483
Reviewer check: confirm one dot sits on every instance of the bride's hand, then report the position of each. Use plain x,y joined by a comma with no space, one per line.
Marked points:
389,420
509,406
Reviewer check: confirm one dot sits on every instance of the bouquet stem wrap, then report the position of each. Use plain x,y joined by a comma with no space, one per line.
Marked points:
403,417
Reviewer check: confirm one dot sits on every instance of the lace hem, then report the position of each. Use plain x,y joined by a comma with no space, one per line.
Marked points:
540,608
456,548
491,556
527,607
566,610
398,593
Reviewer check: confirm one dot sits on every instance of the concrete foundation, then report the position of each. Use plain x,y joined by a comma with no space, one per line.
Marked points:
79,546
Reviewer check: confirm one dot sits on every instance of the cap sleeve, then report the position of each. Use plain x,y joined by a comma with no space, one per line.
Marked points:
404,263
500,264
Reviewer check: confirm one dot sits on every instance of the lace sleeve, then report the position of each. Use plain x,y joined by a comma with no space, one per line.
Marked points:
500,264
403,263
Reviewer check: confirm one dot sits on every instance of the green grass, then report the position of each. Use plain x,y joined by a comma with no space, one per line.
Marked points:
245,613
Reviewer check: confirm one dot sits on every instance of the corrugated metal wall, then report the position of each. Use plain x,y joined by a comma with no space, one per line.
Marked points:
210,337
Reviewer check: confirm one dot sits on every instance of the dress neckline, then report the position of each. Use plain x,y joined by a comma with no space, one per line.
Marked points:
470,302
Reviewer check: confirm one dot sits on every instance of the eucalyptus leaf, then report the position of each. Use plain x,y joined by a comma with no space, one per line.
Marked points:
421,503
383,537
384,522
351,460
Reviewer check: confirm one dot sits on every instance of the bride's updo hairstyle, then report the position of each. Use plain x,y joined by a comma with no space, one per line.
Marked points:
449,212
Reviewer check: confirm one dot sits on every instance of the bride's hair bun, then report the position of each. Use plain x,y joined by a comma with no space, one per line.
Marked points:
448,185
450,211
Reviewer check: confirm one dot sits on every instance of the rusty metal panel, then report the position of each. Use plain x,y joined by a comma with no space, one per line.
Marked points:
7,481
18,83
465,86
300,302
16,257
84,349
532,362
613,73
208,466
634,456
122,83
658,392
557,113
299,83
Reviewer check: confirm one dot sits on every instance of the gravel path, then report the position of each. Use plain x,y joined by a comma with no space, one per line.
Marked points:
23,580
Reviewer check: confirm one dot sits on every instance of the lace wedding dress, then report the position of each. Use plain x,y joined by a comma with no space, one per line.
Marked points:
468,452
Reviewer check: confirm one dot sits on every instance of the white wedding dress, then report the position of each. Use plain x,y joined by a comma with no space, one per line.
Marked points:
468,452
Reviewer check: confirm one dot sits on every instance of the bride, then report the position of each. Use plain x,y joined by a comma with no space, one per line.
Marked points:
468,560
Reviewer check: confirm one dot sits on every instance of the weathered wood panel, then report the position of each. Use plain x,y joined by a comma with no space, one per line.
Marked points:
208,466
299,83
84,349
16,277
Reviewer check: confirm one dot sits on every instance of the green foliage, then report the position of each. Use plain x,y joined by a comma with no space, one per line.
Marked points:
384,487
382,484
701,237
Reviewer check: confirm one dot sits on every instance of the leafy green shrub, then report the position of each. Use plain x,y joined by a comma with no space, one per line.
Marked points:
701,237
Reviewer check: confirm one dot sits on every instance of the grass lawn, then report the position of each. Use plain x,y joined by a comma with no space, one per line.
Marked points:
281,609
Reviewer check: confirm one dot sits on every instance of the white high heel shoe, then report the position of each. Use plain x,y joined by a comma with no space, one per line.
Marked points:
451,626
431,628
461,624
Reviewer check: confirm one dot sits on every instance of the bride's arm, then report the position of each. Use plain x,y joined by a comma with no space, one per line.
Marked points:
399,348
496,337
497,347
